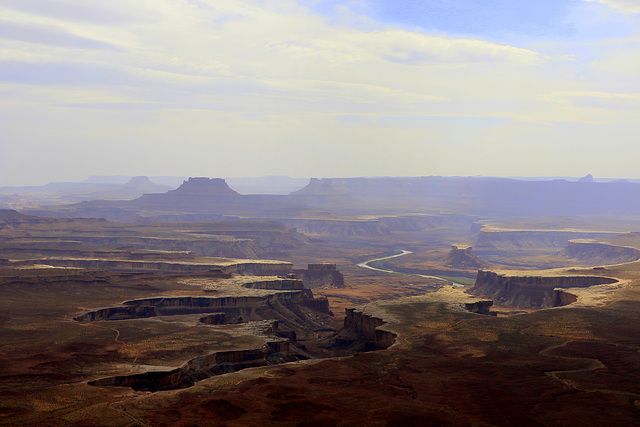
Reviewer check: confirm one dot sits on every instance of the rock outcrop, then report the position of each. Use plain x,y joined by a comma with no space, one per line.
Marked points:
368,326
480,307
561,298
214,319
529,291
321,275
461,257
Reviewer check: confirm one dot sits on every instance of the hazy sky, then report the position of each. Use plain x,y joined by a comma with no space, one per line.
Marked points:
321,88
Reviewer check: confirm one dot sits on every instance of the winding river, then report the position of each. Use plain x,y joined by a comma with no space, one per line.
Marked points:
365,264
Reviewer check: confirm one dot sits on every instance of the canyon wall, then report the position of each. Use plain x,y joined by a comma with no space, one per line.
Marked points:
128,265
367,326
529,291
249,268
280,285
561,298
203,367
259,268
233,307
515,239
321,275
597,253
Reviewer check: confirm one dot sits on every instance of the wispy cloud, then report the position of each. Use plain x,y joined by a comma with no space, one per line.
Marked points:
603,100
622,6
74,10
419,49
49,36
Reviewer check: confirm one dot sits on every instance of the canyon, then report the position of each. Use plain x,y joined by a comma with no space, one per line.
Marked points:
530,291
214,307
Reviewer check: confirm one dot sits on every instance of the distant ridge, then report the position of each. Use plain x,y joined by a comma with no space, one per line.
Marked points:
320,187
13,215
205,199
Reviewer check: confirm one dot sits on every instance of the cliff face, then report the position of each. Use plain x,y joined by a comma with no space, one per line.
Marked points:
600,253
367,326
513,239
203,367
318,304
234,307
229,309
281,284
214,319
529,291
259,269
130,265
561,298
249,268
321,275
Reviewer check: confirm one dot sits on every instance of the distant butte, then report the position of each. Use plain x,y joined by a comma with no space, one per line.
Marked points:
461,257
586,178
204,187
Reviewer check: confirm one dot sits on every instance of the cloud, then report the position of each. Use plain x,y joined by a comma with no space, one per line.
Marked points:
76,10
413,48
622,6
49,36
604,100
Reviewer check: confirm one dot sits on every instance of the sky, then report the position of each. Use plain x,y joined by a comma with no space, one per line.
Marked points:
322,88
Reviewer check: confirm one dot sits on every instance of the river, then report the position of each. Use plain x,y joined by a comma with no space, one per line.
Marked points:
366,265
